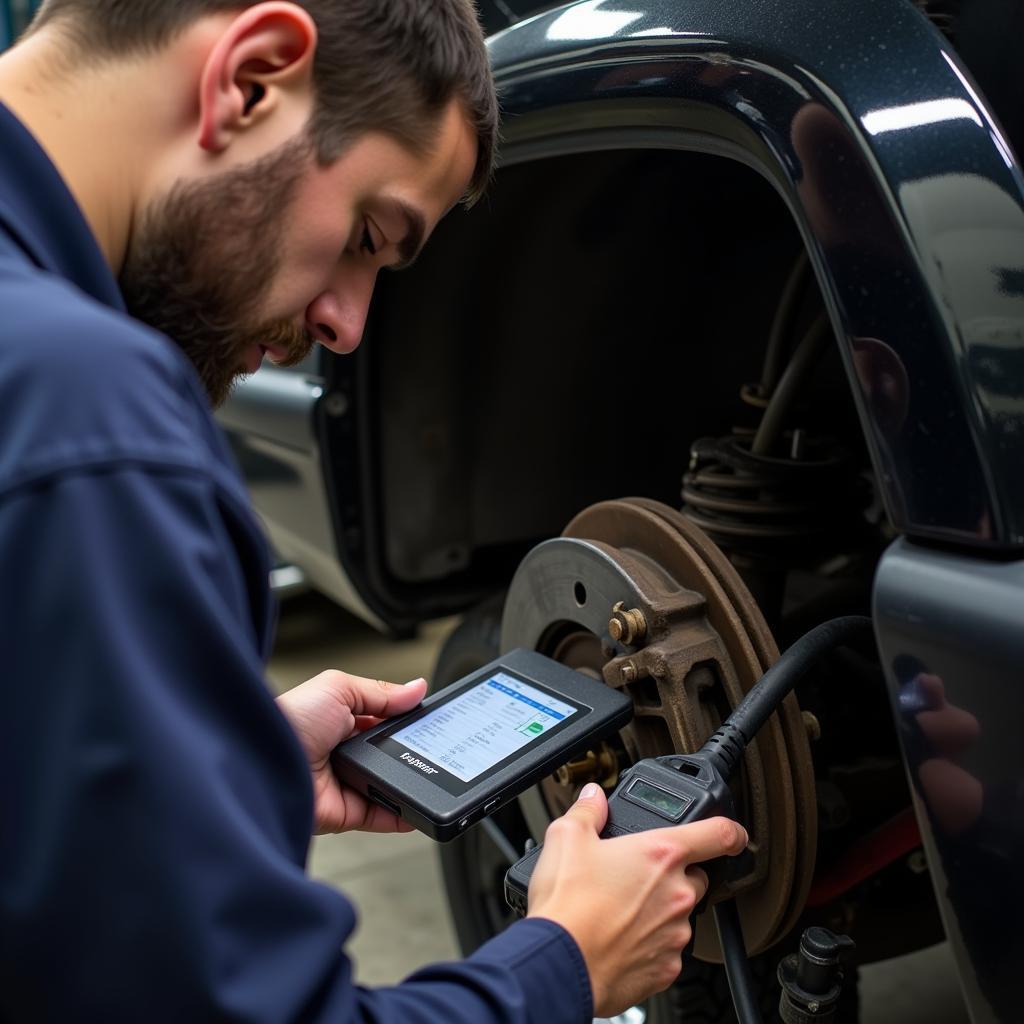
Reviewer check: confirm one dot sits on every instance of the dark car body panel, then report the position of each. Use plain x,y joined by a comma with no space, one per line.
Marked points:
909,199
962,620
272,423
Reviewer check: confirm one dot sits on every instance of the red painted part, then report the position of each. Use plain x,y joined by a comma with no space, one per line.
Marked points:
896,838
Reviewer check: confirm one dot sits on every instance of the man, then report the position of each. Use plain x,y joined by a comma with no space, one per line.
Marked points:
233,176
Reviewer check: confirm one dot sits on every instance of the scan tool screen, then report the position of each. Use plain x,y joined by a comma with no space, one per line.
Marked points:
480,727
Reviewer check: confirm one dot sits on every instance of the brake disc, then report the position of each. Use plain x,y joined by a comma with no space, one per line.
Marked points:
634,593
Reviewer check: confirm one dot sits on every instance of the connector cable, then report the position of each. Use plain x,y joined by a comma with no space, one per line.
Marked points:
725,748
737,966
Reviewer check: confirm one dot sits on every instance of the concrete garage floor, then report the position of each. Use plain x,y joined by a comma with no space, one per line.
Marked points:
395,881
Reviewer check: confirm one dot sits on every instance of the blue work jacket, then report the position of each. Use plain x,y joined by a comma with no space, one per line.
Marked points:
156,806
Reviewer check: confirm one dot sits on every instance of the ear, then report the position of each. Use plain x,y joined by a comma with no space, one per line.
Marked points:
265,52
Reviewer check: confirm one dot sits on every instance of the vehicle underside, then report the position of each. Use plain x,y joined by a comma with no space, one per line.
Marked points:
629,349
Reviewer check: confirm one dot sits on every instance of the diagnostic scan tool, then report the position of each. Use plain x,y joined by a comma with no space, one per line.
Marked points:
472,747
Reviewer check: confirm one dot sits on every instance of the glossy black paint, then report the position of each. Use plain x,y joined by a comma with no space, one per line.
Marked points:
910,202
960,621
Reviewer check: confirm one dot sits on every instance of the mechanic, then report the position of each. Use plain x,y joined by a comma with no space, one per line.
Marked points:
231,176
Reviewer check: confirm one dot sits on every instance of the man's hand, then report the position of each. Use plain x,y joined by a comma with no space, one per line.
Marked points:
324,711
626,901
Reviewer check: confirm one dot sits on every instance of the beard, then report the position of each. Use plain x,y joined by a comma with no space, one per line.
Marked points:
205,256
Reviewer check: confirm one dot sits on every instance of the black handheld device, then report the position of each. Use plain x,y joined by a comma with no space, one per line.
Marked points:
480,742
654,793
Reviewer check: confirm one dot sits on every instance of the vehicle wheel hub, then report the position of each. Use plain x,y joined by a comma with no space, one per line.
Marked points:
704,644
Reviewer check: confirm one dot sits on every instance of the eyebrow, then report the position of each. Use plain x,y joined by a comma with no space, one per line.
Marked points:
415,230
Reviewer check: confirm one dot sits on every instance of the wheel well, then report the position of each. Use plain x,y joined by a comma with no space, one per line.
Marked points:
567,341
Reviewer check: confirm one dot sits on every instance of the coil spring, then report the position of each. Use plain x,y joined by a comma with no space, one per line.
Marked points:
758,505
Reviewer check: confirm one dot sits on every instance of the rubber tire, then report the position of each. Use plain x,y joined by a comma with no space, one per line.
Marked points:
700,996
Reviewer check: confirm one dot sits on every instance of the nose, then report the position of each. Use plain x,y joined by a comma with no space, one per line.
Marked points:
336,318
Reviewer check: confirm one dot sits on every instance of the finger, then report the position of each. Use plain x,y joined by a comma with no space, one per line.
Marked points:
364,722
380,820
379,698
591,807
699,880
361,815
714,837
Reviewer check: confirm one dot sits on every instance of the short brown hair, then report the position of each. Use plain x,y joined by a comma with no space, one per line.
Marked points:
381,65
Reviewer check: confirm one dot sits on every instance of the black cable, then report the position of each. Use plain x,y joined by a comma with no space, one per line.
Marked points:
792,381
725,748
782,324
737,966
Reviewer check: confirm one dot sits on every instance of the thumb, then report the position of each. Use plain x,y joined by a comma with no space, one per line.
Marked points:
375,696
405,698
591,807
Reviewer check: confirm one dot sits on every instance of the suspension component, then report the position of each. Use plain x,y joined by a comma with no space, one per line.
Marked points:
772,513
771,505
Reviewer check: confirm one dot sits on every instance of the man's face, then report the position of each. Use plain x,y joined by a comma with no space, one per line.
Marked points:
271,257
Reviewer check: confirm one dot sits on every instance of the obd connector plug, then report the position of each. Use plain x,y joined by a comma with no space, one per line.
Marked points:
653,793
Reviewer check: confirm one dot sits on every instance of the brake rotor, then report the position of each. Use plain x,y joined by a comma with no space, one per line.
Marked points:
634,593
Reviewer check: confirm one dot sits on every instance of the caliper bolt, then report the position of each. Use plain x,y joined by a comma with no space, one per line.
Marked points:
627,626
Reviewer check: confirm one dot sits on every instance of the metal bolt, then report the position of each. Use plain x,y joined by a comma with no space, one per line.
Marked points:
814,1007
602,766
627,625
628,671
917,862
812,725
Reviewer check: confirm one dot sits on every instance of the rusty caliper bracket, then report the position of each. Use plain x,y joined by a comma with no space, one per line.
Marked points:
636,594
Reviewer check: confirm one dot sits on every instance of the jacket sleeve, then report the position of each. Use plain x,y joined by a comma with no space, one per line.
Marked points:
156,805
